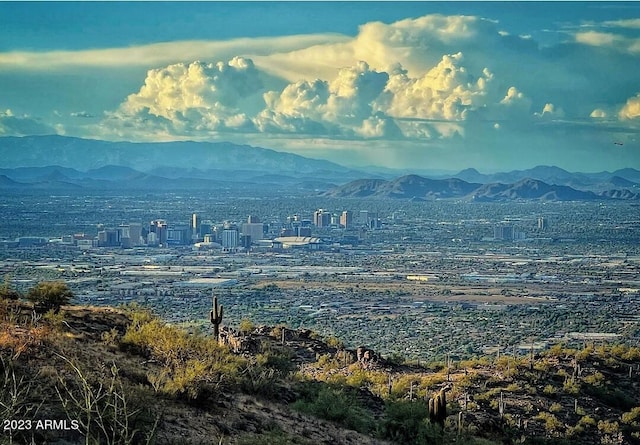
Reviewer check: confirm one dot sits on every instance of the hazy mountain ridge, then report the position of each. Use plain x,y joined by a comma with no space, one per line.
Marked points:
600,181
36,162
417,187
85,154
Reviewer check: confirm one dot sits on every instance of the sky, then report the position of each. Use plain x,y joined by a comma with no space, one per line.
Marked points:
496,86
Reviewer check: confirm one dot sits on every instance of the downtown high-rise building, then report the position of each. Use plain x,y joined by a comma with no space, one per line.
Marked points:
195,228
254,229
321,218
230,236
346,219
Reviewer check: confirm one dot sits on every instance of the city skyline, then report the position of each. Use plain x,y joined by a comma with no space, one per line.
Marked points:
494,86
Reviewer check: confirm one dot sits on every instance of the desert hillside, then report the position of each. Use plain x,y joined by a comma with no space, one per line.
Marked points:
123,376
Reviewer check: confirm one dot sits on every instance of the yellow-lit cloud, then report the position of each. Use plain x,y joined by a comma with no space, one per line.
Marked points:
631,110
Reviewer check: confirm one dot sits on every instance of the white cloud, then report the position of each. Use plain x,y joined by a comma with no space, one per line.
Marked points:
340,107
549,111
609,40
160,54
433,81
625,23
195,97
631,110
447,91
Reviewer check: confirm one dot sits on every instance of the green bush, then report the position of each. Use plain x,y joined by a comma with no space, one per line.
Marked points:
49,295
407,423
274,436
193,366
336,405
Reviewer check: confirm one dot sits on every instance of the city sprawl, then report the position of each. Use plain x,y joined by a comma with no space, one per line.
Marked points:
423,280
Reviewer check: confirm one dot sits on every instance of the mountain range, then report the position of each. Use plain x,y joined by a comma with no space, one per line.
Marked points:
221,161
59,162
415,187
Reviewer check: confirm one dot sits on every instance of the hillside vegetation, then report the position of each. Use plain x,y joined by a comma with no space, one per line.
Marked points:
124,376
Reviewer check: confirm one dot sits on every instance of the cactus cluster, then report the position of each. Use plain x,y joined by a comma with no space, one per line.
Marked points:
438,407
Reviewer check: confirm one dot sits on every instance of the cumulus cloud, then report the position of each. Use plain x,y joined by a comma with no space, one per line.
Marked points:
631,110
598,113
343,106
196,96
549,111
447,91
423,79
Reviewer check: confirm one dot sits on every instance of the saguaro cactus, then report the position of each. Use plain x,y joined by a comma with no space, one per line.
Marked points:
438,407
215,316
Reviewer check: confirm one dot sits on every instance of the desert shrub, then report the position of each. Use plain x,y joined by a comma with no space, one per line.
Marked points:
555,408
277,358
587,421
611,396
631,417
571,386
595,379
49,295
246,326
105,408
608,427
551,422
336,405
274,436
407,423
334,342
193,366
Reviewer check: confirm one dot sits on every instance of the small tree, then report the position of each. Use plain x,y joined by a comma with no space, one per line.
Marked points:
49,295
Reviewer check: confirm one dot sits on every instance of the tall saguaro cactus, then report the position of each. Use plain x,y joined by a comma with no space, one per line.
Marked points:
215,316
438,407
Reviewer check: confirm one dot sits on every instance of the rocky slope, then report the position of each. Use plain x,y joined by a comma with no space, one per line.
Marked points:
126,377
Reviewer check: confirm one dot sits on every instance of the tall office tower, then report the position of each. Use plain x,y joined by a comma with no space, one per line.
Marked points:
321,218
346,219
124,235
254,230
159,227
230,236
109,238
135,232
363,218
543,223
317,218
178,235
503,232
253,219
374,221
195,228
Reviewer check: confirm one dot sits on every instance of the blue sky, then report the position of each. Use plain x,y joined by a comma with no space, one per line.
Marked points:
417,85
